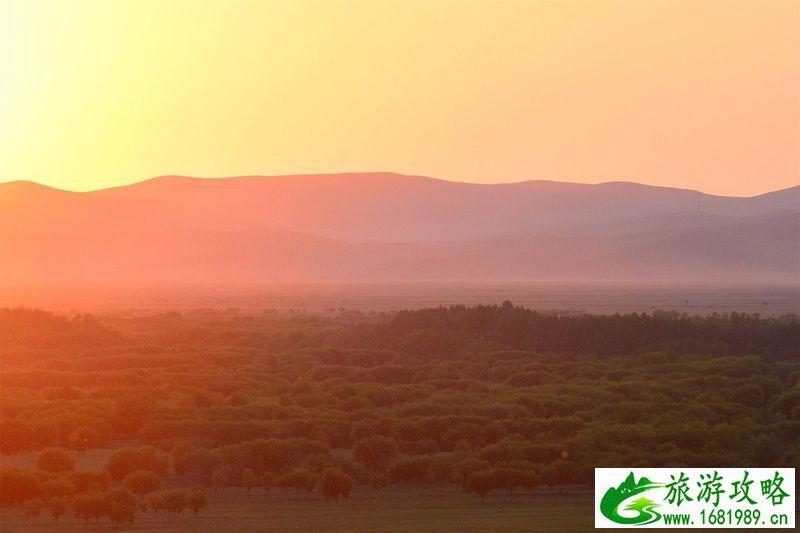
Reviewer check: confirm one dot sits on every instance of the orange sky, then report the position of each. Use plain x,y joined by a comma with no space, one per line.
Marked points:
700,94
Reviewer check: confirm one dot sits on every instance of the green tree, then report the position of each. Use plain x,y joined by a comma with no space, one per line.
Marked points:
91,506
481,482
249,478
299,479
218,479
33,507
335,483
121,505
379,482
86,480
55,460
173,501
57,507
414,470
127,460
268,480
375,452
84,438
17,487
142,482
197,500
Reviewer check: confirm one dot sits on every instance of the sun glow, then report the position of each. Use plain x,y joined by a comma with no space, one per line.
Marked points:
694,94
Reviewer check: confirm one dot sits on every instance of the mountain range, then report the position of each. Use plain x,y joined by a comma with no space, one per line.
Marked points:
385,226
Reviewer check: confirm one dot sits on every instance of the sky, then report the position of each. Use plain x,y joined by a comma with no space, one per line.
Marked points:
694,94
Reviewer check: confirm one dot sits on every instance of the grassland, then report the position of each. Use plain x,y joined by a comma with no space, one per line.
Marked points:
426,508
440,508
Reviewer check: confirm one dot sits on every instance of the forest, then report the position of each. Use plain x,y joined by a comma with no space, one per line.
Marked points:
489,398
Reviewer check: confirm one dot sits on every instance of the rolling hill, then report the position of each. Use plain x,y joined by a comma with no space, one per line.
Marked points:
382,226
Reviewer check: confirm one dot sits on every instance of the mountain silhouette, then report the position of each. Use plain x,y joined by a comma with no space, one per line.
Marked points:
378,226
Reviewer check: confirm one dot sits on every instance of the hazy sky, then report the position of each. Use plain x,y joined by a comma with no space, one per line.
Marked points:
701,94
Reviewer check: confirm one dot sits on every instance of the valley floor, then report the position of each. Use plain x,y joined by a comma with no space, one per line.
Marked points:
321,298
434,508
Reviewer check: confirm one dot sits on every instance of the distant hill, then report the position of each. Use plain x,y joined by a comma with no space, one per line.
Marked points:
389,226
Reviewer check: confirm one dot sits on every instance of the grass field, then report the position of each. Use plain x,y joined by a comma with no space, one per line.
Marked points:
427,508
417,509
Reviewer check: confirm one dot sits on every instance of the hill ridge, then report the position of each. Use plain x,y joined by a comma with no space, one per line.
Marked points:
394,175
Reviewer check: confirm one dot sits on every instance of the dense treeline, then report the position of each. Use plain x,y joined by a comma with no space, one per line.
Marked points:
438,331
40,329
490,397
508,326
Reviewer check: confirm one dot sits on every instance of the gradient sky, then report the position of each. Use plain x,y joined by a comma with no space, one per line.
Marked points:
700,94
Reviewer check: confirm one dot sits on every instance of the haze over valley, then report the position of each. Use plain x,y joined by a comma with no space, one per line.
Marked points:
381,226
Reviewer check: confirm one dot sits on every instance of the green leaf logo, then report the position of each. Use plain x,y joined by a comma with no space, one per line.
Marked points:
615,497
